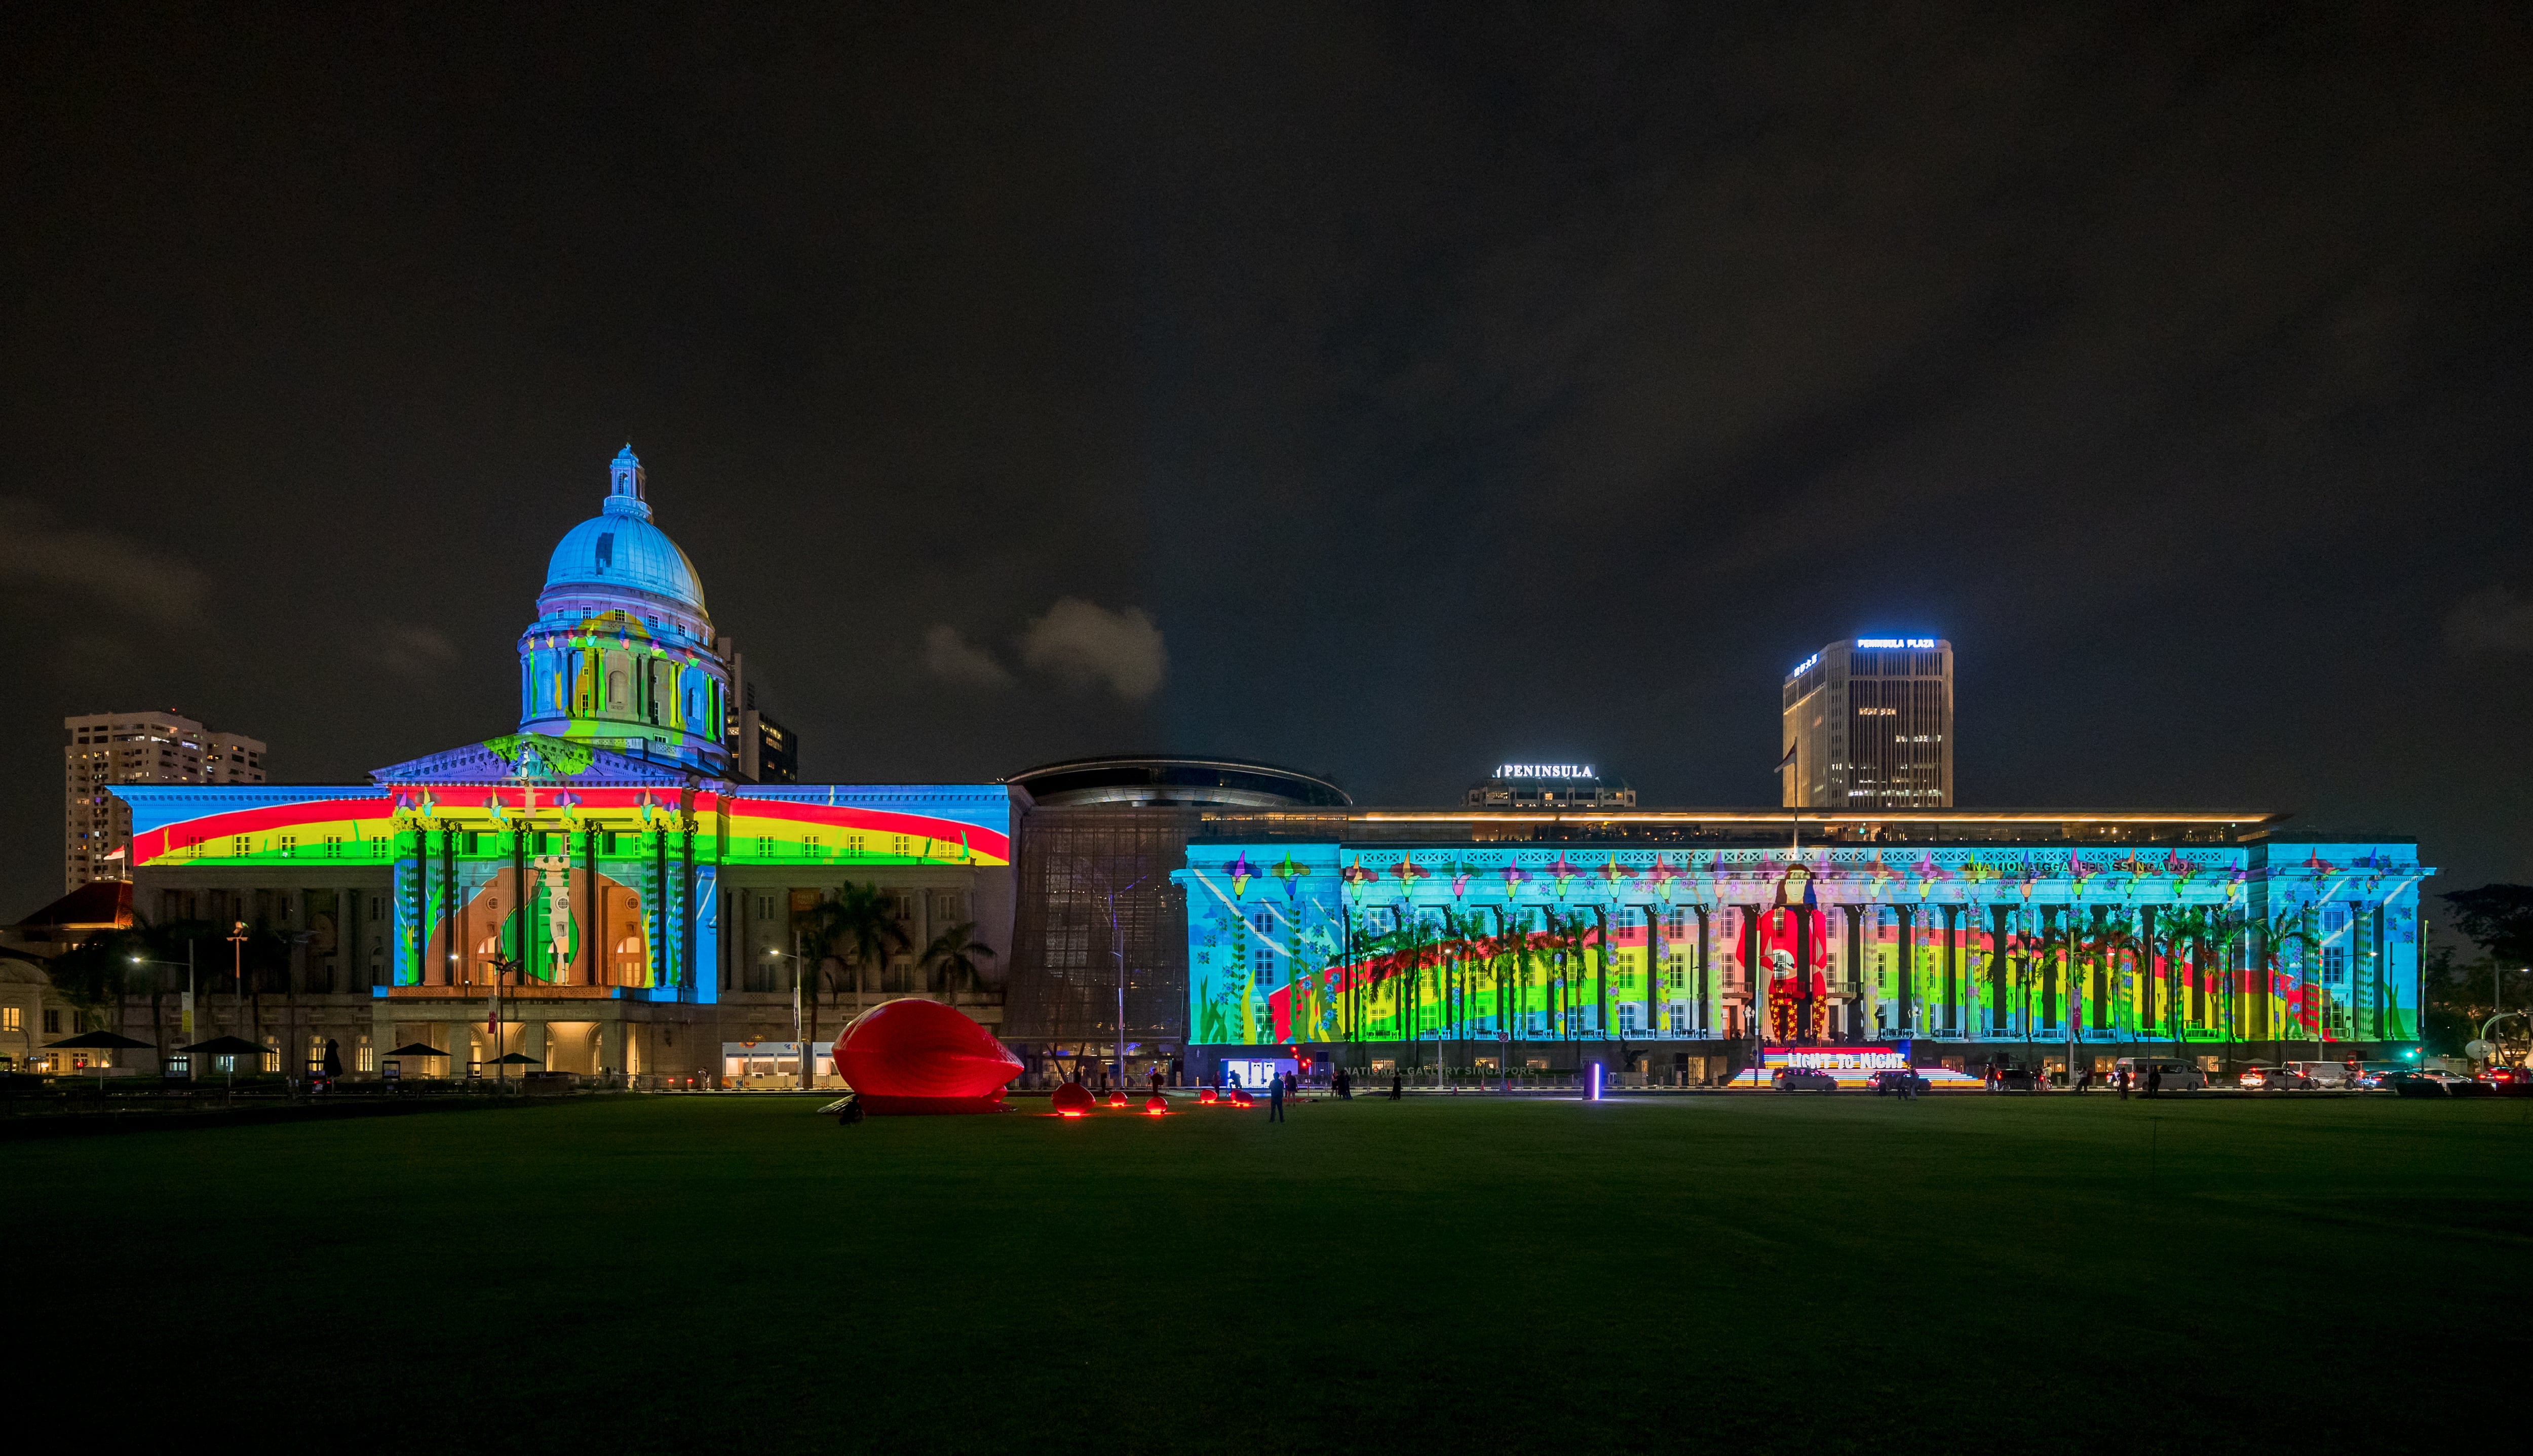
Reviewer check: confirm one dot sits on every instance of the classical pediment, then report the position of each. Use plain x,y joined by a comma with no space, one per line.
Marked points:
530,758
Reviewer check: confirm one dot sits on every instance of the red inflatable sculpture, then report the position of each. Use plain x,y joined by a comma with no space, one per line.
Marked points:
1205,1096
1156,1105
918,1056
1072,1099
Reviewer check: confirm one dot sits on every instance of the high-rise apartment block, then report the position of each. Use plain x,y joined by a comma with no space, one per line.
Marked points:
1868,724
147,747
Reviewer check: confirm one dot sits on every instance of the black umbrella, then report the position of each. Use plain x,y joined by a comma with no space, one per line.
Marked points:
516,1059
103,1041
97,1040
417,1049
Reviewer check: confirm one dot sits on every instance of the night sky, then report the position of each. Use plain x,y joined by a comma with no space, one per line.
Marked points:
1387,392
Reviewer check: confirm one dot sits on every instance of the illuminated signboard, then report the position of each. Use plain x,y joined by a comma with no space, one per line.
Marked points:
1926,643
1806,665
1835,1058
1543,771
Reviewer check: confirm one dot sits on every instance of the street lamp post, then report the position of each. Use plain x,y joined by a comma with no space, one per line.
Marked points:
188,1022
808,1066
237,973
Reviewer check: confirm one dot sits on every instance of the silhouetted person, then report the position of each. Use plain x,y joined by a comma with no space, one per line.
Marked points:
2124,1083
1275,1100
2153,1080
1398,1083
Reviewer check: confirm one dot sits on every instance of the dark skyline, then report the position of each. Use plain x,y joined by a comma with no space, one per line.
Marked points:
1387,392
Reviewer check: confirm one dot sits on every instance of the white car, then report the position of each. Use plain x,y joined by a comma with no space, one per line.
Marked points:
2176,1075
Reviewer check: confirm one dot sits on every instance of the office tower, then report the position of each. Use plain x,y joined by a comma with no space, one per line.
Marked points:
1868,724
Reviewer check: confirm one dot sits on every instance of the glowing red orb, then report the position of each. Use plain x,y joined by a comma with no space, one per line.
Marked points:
1205,1094
1072,1099
1116,1099
915,1057
1156,1105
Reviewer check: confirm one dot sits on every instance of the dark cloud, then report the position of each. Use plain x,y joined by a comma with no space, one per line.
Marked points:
1442,385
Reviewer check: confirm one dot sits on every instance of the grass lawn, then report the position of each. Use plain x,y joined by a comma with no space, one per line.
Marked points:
1759,1272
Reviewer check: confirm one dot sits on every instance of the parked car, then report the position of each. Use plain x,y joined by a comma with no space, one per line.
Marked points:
2274,1080
2431,1084
1890,1082
2178,1076
2508,1081
2013,1079
2321,1074
1804,1079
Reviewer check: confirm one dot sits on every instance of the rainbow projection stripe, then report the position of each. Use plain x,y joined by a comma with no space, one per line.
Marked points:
1291,943
958,825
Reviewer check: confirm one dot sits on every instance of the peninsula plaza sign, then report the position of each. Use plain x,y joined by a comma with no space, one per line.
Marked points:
1925,643
1544,771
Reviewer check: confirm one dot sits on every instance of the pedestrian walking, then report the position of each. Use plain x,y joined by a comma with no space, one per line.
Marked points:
1909,1084
2124,1083
1345,1086
2153,1080
1275,1100
1398,1083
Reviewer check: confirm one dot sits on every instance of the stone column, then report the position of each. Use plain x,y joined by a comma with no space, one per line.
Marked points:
1904,969
532,1041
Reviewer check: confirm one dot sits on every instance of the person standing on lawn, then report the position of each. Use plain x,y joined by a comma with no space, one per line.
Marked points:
1275,1100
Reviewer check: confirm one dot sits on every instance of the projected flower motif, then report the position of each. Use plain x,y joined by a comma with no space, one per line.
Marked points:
1409,871
1241,872
1561,874
1929,874
2183,871
1976,872
1290,873
1514,877
1662,876
2080,873
1355,875
1612,875
1878,875
1459,880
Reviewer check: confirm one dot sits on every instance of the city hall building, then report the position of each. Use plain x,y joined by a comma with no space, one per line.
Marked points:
638,907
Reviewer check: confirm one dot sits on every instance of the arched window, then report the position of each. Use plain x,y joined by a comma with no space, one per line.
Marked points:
615,690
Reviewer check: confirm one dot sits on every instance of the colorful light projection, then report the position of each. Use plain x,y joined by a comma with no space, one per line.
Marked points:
530,858
1323,942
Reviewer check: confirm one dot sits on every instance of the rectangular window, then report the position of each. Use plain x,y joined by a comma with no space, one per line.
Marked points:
366,1059
765,847
897,846
272,1057
13,1019
852,844
810,846
52,1023
2334,945
241,845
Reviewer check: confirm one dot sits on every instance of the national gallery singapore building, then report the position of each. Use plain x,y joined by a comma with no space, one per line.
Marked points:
643,906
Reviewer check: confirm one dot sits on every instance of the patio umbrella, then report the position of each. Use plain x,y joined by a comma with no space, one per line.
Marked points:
108,1041
417,1049
516,1059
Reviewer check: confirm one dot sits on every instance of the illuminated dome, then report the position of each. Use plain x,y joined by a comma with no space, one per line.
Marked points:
621,654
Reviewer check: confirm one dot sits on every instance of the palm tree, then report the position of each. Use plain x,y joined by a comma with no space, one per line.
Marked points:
864,921
955,953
